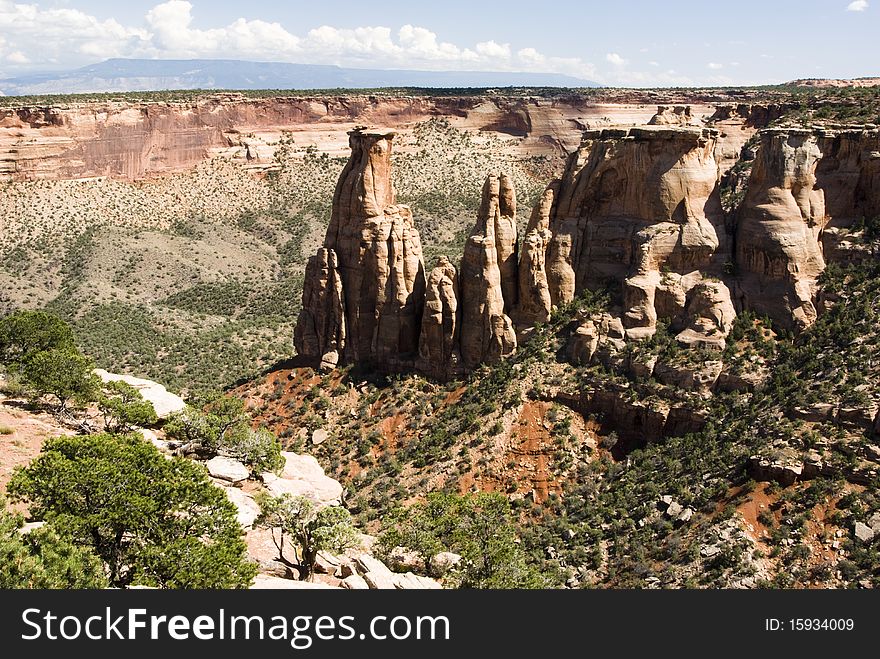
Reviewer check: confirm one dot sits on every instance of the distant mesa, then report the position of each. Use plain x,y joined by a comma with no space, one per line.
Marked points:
836,82
128,75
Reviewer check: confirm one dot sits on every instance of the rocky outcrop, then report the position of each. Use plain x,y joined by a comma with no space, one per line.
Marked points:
366,298
677,115
303,476
163,401
320,328
535,301
806,185
506,246
640,208
637,210
439,354
374,277
709,314
487,333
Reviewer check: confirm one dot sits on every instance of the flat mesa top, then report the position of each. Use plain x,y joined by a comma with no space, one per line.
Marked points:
373,131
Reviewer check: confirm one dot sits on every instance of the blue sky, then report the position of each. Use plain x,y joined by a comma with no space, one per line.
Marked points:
629,43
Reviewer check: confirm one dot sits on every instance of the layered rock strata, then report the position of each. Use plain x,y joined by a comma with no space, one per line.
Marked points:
488,271
374,266
638,208
808,196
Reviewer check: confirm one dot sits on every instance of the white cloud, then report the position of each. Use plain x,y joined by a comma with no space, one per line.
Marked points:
492,49
41,36
17,57
64,35
715,66
37,38
857,5
172,35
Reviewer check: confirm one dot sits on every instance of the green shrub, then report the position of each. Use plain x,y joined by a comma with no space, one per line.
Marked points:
63,373
311,527
123,407
25,333
44,559
152,520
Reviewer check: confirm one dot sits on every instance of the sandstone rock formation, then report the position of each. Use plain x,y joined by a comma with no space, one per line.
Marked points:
320,329
303,476
637,210
678,115
737,124
380,255
805,188
373,257
487,333
534,300
163,401
439,354
638,207
366,298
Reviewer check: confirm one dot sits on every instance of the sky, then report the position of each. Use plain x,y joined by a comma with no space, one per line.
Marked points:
619,43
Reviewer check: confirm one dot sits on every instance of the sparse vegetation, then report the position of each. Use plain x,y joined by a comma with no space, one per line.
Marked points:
308,528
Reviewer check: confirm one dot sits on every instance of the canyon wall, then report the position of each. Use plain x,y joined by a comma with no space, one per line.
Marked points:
137,140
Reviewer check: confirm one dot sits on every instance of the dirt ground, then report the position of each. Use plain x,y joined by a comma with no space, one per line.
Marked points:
23,443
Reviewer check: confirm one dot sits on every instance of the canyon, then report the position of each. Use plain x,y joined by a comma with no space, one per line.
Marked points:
624,311
133,140
637,210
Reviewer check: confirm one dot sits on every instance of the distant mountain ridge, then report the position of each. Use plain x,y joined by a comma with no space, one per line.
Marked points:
124,75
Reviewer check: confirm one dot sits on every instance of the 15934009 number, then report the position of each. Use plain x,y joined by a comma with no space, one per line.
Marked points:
821,624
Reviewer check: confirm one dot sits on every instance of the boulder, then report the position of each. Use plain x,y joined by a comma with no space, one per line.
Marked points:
268,582
401,559
163,401
303,476
247,508
367,563
327,563
261,547
444,561
410,581
381,580
355,582
863,533
319,436
227,469
693,377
